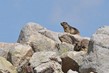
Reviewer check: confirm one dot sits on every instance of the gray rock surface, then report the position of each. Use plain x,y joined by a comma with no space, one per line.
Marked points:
27,31
19,53
42,57
30,35
15,52
5,47
97,60
76,56
46,62
64,47
3,53
49,67
50,34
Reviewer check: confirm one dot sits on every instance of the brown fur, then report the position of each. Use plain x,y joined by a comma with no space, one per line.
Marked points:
69,29
82,45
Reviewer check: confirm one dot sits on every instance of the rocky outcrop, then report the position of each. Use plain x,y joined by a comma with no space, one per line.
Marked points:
97,60
46,51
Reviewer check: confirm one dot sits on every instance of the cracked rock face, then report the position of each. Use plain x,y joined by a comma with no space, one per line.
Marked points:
97,59
46,62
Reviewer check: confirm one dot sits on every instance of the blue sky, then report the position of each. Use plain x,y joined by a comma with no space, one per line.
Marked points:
86,15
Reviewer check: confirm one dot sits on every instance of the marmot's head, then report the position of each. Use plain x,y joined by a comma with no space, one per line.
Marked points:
64,25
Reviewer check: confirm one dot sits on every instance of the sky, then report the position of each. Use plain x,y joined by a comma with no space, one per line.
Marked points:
86,15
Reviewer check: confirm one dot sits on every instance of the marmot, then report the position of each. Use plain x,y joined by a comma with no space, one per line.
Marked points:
82,45
69,29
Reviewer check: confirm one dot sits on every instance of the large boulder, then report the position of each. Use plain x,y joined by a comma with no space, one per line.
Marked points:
72,60
15,53
46,62
31,34
6,66
97,60
27,31
20,53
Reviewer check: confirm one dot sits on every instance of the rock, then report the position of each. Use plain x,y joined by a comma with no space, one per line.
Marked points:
19,53
97,60
15,52
4,49
68,39
64,47
28,30
49,67
46,62
70,71
43,44
50,34
72,60
68,63
76,56
30,35
3,53
6,67
42,57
